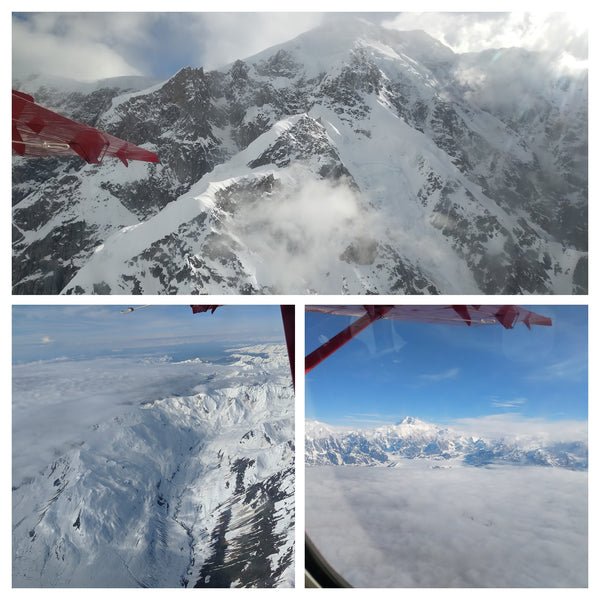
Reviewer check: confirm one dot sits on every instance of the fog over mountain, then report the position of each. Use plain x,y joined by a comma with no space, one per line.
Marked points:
351,159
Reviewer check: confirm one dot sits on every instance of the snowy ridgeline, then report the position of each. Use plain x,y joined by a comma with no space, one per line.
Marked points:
415,526
188,490
561,444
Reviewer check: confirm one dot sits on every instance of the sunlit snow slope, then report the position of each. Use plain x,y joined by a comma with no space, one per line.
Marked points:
442,446
182,491
352,159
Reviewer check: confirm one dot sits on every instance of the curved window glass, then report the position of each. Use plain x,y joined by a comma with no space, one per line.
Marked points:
440,456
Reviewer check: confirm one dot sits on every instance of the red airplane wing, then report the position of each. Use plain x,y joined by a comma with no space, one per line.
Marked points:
200,308
507,316
37,131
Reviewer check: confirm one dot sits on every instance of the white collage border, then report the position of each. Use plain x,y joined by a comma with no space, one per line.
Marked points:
591,300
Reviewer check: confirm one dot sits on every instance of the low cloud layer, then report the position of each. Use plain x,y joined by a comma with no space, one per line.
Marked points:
55,403
509,426
462,527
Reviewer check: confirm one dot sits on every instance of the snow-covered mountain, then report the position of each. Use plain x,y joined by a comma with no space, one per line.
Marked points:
412,438
351,159
186,491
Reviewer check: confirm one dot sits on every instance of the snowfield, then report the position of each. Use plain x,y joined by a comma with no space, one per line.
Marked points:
117,483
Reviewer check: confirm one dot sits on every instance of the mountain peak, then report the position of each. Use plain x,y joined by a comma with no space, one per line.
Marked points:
404,176
409,421
333,42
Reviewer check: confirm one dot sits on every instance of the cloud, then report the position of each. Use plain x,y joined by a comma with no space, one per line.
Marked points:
471,32
55,403
93,46
232,36
512,425
300,232
514,403
369,420
507,77
458,527
46,340
74,45
573,368
448,374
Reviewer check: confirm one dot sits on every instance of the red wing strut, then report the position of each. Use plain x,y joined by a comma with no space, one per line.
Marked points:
471,316
37,131
335,343
288,313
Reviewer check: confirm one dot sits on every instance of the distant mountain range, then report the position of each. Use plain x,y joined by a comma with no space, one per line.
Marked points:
415,439
351,159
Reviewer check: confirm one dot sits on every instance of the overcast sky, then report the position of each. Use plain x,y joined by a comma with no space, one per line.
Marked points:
444,374
92,46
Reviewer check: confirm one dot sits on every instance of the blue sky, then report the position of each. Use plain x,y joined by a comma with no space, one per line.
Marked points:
442,373
50,332
93,46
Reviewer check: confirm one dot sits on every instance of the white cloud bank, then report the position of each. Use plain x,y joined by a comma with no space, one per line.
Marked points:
557,32
462,527
93,46
513,426
55,403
